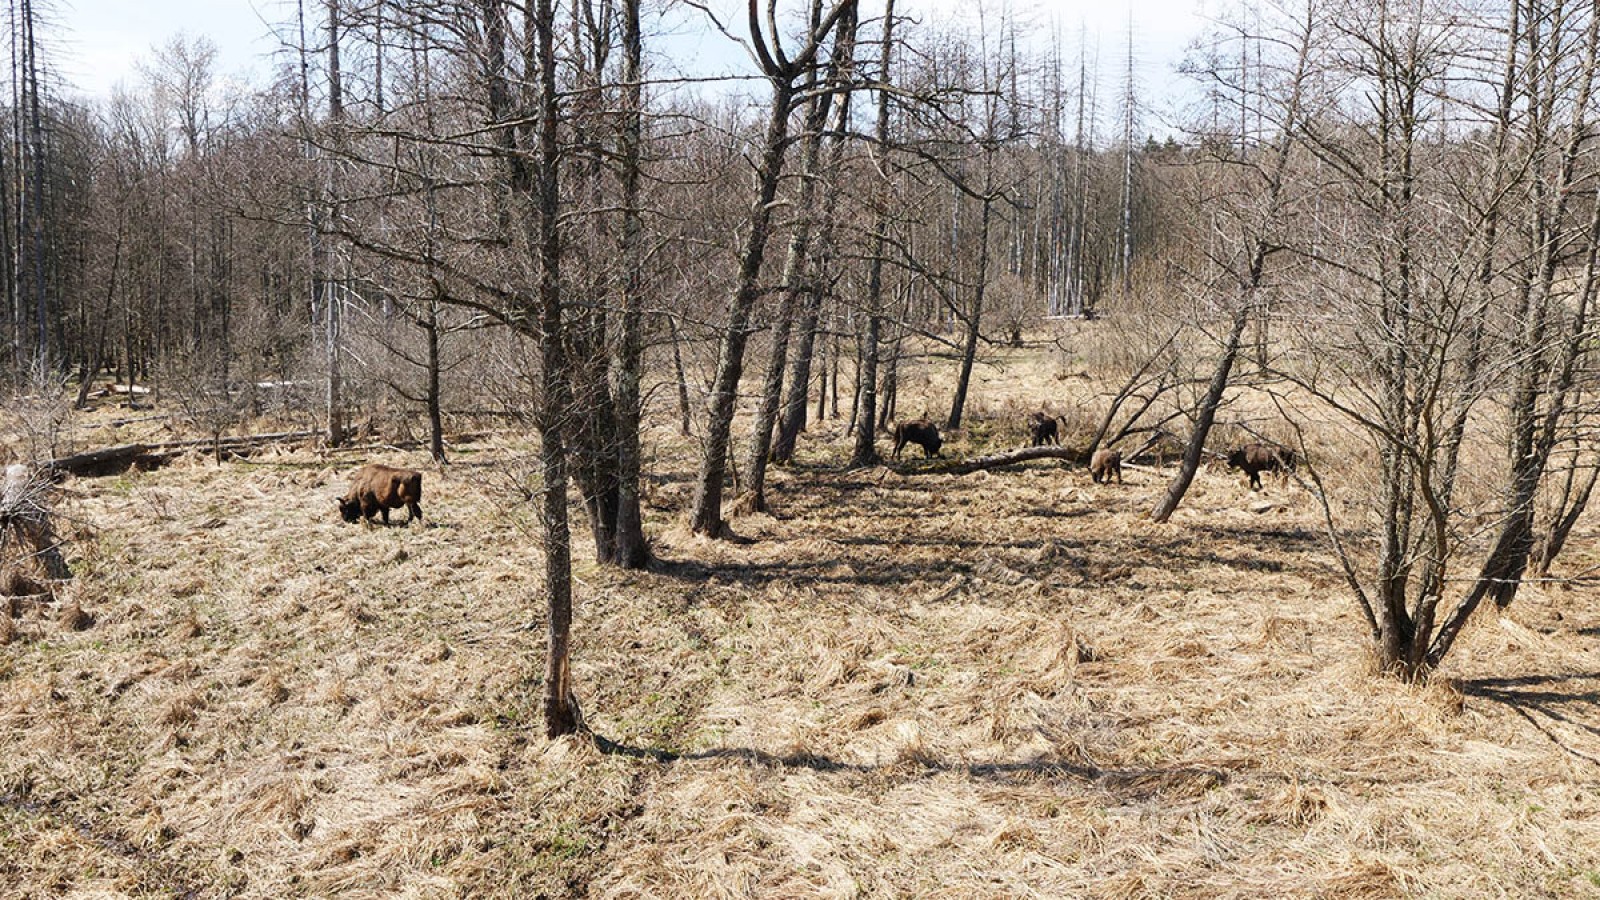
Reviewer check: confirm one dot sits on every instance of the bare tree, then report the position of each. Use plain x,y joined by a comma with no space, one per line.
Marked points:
1247,229
784,75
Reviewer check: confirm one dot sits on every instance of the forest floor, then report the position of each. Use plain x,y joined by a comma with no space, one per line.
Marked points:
1006,684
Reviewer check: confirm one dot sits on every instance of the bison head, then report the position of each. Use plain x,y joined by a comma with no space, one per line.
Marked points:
1236,458
349,508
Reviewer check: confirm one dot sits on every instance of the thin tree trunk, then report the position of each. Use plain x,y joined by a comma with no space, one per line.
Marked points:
706,517
561,714
794,267
1206,418
632,551
684,412
430,328
969,347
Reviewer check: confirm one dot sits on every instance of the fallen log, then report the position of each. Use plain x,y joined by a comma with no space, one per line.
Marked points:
997,460
116,460
231,441
105,461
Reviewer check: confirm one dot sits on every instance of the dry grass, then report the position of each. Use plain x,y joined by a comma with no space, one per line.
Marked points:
1007,684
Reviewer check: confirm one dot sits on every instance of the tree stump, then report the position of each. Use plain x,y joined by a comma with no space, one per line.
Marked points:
30,551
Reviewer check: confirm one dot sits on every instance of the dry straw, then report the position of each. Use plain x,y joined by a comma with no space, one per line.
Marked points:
914,686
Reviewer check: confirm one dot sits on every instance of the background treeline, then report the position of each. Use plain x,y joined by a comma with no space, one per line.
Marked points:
1380,229
190,235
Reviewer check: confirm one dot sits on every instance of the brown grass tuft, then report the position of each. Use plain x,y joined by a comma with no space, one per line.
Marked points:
72,617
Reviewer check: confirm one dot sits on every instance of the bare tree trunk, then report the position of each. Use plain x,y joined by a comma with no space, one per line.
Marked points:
794,267
1205,419
632,551
865,452
706,517
561,713
1571,509
969,346
330,299
430,327
684,420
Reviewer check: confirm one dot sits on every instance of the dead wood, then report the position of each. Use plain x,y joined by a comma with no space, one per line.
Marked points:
997,460
115,460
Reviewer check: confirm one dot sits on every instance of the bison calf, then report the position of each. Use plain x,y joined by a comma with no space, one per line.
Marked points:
377,489
1104,464
1042,430
1254,459
921,432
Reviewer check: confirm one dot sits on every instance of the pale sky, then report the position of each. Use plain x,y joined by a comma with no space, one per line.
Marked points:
96,43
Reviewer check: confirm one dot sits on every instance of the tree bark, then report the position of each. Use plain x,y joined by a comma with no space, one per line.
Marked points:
706,517
794,267
1205,419
865,452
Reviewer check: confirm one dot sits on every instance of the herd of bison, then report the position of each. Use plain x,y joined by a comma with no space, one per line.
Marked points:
375,488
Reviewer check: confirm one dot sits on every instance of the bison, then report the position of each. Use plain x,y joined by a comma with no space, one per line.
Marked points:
378,488
1042,430
1104,464
1257,458
921,432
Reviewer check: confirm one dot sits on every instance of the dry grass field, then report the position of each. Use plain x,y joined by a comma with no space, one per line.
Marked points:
1007,684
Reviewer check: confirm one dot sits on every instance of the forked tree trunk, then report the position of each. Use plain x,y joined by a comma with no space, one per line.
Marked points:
706,517
1206,417
794,267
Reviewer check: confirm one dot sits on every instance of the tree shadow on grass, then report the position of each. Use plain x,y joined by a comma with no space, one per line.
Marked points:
758,575
1546,701
1127,784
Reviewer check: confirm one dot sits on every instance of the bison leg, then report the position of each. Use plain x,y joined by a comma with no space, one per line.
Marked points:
414,509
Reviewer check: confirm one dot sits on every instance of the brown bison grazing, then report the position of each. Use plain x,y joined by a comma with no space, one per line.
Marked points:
1257,458
1104,464
378,489
1042,430
921,432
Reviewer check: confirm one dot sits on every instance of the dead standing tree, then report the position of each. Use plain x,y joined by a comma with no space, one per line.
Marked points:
784,75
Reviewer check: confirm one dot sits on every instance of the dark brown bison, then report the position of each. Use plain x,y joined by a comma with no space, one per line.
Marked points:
1105,464
1257,458
377,489
1042,430
921,432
